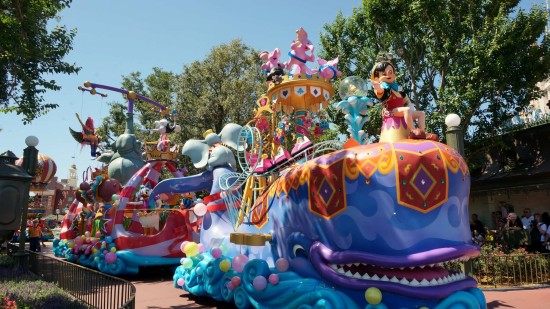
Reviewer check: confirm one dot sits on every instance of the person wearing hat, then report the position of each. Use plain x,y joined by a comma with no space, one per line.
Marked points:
35,234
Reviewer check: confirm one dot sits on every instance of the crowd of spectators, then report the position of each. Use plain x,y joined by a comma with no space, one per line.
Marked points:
530,231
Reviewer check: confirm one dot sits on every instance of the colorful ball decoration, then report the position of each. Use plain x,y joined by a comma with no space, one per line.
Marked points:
216,253
225,265
282,264
259,283
182,246
191,249
239,261
373,296
230,286
110,257
45,170
236,281
78,240
180,282
187,263
200,209
273,279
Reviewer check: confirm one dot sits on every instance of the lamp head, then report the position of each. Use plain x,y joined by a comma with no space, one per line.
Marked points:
452,120
31,141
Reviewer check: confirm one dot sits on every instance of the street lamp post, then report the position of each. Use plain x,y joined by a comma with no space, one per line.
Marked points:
30,161
455,139
454,134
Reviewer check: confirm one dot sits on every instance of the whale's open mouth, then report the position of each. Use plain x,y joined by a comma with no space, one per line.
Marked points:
422,275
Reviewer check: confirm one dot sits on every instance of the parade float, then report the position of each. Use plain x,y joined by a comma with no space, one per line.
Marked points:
110,225
291,223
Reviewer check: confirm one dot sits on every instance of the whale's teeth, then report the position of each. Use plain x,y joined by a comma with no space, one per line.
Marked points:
401,268
357,275
439,281
348,274
445,280
433,282
453,277
348,265
422,266
341,270
375,277
411,267
404,281
432,265
384,278
414,282
333,266
462,275
424,282
356,264
366,276
394,279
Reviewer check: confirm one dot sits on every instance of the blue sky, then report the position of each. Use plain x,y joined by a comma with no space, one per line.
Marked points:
116,38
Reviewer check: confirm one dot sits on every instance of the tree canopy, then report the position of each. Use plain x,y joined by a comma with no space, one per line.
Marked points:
29,52
480,59
208,94
220,89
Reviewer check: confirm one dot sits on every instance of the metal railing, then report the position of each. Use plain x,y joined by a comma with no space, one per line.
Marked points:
498,271
95,288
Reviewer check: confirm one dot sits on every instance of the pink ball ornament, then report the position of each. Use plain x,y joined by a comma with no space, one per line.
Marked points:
180,282
230,286
236,281
259,283
201,248
273,279
199,209
110,257
216,253
98,234
282,264
78,240
239,261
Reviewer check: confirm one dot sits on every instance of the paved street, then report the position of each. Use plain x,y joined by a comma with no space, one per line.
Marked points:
155,290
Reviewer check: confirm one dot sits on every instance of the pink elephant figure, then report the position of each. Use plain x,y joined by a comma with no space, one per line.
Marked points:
271,60
328,69
298,54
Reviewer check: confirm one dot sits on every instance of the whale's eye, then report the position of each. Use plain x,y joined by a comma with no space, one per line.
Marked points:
299,251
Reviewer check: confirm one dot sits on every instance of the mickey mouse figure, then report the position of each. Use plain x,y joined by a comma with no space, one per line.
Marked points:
163,127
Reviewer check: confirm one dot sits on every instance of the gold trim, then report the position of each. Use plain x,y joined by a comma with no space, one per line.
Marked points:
249,239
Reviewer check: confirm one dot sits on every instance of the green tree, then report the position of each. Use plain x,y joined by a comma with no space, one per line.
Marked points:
29,51
480,59
220,89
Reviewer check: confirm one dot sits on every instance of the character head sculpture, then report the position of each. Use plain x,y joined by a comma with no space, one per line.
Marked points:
211,152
